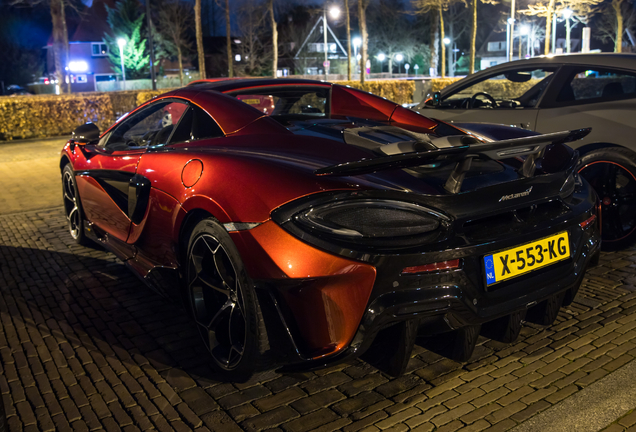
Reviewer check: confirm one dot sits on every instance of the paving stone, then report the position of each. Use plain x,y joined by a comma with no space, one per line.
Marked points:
311,421
267,420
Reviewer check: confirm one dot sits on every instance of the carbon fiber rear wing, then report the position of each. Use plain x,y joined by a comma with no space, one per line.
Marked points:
462,155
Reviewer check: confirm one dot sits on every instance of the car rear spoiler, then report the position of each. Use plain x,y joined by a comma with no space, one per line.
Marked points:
531,147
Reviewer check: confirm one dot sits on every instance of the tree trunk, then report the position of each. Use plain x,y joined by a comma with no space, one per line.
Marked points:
65,46
228,39
362,6
348,40
616,5
199,37
434,45
441,42
473,38
179,56
548,27
274,39
58,41
391,63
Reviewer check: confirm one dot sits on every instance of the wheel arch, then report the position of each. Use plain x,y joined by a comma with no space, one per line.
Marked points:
588,148
63,162
190,220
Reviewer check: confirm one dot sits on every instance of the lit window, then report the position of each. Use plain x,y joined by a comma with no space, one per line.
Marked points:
99,49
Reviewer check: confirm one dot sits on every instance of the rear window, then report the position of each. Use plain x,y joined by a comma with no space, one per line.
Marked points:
287,100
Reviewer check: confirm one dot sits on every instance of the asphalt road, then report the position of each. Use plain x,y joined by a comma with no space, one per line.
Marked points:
85,346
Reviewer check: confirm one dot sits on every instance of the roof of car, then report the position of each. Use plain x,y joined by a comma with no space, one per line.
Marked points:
612,60
229,84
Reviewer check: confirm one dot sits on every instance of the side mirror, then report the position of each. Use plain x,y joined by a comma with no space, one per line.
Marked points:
85,133
437,99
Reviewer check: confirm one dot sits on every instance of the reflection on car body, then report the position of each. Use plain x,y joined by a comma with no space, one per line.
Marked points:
547,94
336,225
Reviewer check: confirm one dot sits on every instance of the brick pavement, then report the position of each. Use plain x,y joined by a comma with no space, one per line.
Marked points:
85,346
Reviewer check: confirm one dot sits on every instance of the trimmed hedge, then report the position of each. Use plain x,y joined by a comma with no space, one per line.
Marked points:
400,91
45,116
438,84
52,115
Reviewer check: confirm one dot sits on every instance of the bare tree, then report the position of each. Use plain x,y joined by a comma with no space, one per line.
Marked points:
582,11
274,38
362,21
348,24
615,19
438,7
199,37
228,39
59,33
255,58
174,20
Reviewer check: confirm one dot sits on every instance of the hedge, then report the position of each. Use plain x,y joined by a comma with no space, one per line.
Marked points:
52,115
45,116
400,91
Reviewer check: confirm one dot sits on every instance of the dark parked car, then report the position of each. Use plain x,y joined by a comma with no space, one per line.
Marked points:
336,224
549,94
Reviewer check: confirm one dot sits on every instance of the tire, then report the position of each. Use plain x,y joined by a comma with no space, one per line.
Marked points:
223,303
612,174
73,207
505,329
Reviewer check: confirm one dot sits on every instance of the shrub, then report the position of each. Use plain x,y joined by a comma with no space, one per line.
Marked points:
400,91
51,115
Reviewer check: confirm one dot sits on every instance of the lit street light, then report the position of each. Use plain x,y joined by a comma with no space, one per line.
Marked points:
381,58
335,13
447,42
356,41
121,42
567,14
399,58
525,31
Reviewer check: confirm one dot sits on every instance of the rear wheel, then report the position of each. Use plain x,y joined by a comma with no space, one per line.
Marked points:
223,302
72,206
612,174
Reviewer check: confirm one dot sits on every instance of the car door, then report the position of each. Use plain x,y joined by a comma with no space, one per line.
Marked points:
509,98
106,180
586,96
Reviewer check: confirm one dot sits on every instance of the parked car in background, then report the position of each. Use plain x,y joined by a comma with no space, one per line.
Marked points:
338,223
548,94
16,90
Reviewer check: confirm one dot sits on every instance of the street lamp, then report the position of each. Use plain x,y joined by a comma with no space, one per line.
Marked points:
381,58
509,24
447,42
335,13
121,42
525,31
356,41
567,14
399,58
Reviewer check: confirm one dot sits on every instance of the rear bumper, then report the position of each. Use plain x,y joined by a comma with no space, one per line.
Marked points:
439,301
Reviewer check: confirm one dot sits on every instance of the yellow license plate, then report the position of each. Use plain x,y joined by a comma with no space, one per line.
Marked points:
523,259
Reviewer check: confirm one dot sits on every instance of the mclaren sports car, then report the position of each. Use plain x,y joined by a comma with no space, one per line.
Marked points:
304,223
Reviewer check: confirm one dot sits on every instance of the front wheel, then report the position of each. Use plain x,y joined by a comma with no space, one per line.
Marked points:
612,174
223,302
72,206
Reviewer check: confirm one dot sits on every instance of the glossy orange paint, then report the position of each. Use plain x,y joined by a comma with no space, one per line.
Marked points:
329,300
100,209
191,173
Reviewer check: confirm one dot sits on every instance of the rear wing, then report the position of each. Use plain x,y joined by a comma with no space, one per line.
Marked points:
462,155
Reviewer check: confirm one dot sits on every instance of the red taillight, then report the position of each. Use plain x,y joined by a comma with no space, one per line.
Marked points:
587,221
442,265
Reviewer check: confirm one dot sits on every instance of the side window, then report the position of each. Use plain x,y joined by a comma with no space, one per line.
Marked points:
513,89
586,86
151,126
196,124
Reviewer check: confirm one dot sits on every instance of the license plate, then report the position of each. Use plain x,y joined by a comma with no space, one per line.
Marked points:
525,258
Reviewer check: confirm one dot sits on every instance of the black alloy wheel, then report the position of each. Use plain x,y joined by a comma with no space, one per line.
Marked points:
222,301
612,174
72,207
